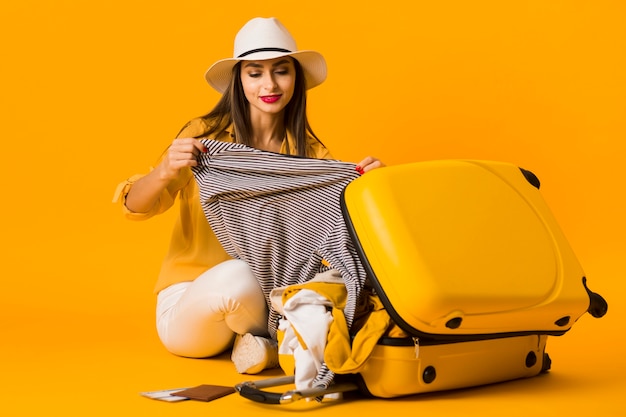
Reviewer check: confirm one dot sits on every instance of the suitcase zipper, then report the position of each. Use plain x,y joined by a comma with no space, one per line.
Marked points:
416,343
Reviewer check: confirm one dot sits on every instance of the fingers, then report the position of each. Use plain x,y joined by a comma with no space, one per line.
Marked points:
369,163
187,146
180,154
185,151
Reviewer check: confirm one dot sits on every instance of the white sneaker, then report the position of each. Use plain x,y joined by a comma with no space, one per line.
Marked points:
252,354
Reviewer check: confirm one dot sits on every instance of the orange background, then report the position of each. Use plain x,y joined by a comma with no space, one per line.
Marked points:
93,92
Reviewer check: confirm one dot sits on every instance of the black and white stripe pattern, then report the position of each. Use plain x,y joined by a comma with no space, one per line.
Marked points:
282,215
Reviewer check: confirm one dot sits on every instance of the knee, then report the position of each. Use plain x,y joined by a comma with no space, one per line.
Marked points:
234,279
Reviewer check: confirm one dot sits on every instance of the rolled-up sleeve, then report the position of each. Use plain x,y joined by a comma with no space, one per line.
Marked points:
166,200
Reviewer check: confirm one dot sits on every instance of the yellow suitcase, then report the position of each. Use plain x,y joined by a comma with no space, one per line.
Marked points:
463,249
468,260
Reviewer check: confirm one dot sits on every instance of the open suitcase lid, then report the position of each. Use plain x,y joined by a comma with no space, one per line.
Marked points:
463,249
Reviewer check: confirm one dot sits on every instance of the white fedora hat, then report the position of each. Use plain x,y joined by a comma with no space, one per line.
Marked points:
261,39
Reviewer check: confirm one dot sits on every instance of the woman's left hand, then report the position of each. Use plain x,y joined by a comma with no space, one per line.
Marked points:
368,164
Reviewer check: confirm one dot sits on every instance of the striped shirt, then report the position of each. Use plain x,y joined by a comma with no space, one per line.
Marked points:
280,214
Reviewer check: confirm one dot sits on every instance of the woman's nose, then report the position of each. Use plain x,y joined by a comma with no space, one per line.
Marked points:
270,82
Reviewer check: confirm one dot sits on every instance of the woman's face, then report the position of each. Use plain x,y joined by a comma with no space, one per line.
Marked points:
268,84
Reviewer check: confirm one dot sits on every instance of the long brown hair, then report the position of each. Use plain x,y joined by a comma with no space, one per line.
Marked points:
233,107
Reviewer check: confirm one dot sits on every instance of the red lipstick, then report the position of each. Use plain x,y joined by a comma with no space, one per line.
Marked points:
270,99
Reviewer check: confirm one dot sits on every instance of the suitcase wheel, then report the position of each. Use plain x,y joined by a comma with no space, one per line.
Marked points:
547,363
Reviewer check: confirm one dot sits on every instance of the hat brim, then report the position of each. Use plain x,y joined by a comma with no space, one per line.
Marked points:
313,65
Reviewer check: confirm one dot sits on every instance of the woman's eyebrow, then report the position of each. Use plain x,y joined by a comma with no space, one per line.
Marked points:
281,62
257,65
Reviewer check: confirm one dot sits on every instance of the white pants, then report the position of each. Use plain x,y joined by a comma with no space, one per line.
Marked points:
199,319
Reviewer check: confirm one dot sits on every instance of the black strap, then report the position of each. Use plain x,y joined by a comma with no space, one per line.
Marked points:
263,50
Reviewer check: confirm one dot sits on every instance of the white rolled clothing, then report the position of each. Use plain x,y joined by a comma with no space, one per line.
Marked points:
308,313
199,319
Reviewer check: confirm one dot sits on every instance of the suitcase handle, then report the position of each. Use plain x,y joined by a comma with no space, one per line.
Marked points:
597,304
252,390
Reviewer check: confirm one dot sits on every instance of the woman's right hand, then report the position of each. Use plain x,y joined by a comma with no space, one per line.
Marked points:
180,154
146,191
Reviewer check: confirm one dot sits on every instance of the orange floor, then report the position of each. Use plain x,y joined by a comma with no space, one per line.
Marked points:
52,364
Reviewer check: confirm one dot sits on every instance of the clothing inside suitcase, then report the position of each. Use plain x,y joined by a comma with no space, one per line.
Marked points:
454,349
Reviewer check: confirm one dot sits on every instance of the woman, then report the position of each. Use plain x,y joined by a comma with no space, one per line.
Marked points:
207,301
